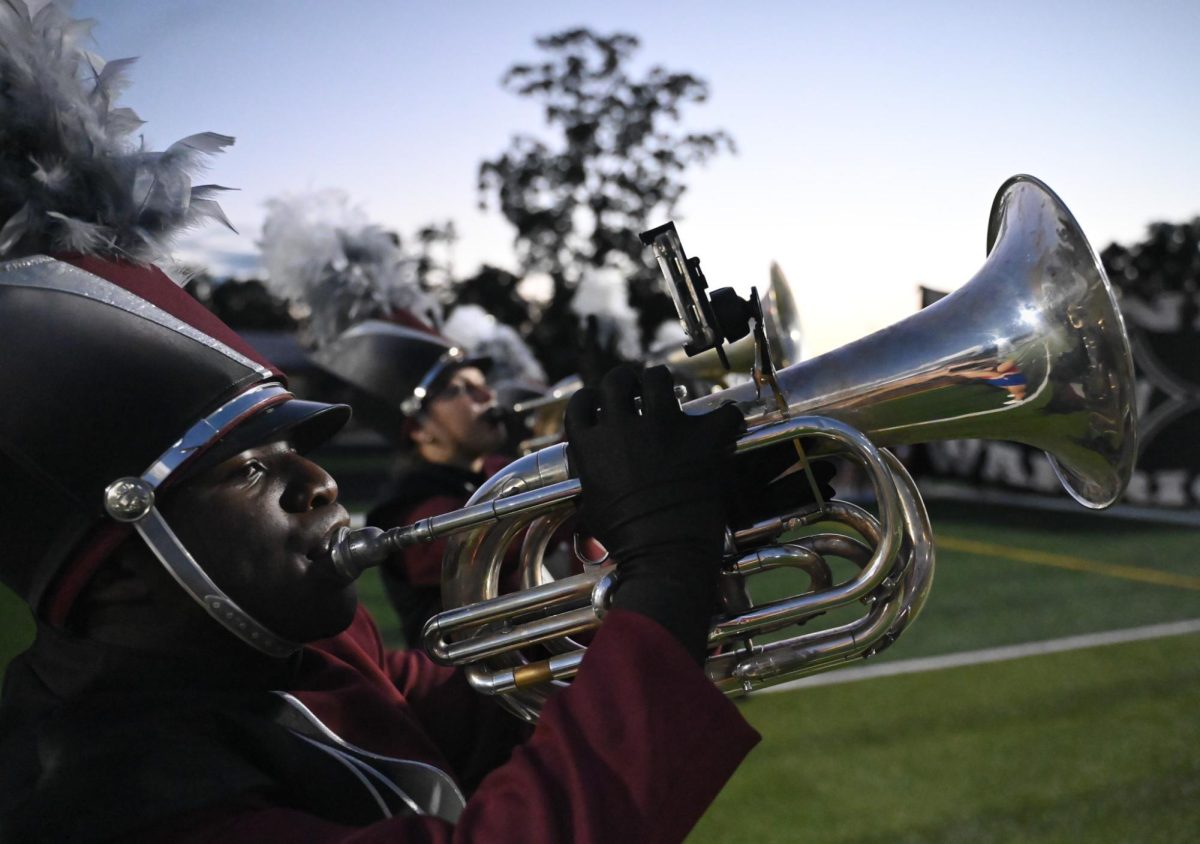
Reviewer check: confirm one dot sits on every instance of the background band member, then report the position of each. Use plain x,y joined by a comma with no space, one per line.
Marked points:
437,407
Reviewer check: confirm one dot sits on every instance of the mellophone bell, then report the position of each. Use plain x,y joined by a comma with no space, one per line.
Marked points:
1032,349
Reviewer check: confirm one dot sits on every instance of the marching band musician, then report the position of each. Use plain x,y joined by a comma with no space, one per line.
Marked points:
437,403
201,672
441,413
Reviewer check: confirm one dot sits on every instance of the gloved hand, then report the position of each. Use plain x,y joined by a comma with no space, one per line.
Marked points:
655,487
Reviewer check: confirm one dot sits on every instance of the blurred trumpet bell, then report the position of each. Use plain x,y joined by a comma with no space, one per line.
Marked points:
781,320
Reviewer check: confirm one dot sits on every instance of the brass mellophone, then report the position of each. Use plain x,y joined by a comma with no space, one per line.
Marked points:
1032,349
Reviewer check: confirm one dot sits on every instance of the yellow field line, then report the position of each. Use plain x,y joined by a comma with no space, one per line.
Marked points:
1064,561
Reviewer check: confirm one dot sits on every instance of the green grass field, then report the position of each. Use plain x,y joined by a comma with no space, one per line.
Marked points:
1097,745
1091,746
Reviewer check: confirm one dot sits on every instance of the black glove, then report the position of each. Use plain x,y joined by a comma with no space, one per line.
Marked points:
655,487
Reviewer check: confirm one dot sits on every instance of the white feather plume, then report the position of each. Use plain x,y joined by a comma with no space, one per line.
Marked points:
78,235
482,334
53,177
323,254
71,176
669,334
602,293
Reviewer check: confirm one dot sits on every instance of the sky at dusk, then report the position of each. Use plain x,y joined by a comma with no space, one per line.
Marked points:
871,136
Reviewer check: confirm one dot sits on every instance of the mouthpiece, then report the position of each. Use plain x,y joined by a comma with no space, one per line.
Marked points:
353,551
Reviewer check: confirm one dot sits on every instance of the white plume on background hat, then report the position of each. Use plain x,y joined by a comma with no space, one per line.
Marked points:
72,179
602,293
323,254
485,336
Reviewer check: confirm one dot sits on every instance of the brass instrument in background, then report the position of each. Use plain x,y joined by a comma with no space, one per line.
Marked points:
1033,349
781,321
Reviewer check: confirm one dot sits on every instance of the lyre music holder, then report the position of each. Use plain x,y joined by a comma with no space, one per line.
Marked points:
708,319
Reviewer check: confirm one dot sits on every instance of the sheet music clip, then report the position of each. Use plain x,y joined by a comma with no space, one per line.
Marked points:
709,320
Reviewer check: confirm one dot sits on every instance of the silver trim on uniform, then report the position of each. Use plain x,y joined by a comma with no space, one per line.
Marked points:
433,791
358,769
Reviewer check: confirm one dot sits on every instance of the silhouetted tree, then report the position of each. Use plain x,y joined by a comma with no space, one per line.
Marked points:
433,259
616,169
242,305
496,291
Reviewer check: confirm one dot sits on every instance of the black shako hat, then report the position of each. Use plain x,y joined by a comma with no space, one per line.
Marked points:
115,383
394,367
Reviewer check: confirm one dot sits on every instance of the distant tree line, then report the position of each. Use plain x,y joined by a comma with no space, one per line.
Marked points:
614,166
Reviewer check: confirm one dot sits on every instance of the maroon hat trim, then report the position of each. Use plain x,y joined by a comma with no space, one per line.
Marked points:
151,283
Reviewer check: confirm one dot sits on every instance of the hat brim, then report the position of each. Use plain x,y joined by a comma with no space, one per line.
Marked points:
481,362
305,424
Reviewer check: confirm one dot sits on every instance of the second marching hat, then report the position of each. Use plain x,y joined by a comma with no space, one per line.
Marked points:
394,367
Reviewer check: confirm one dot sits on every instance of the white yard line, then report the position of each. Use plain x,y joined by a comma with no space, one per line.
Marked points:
959,660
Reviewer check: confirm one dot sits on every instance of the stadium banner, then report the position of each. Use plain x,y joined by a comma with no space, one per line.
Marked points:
1165,336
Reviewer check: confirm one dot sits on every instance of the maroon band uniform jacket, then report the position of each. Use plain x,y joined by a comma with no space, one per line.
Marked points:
634,750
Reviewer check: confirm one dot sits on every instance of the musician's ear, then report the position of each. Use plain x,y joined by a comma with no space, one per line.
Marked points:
128,577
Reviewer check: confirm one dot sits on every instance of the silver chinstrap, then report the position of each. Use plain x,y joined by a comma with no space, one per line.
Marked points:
132,500
157,534
412,405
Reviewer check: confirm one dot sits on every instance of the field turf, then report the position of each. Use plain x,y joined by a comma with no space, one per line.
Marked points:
1094,746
